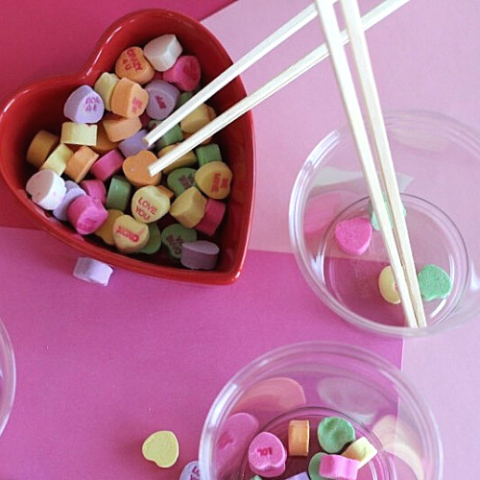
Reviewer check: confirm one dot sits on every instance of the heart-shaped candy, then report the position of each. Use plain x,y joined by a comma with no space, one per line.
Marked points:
40,107
84,105
434,283
267,455
354,235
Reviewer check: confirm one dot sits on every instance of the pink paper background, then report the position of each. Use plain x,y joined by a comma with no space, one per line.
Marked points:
82,408
100,369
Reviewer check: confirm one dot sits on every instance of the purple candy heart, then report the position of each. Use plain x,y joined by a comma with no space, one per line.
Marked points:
134,144
162,99
84,105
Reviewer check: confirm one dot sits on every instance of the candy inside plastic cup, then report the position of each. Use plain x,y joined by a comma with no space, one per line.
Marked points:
7,377
437,161
314,381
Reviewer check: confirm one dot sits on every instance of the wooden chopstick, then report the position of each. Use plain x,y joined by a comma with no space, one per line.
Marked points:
376,122
329,24
258,52
370,19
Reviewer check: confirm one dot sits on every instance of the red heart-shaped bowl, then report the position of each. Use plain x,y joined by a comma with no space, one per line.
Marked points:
40,106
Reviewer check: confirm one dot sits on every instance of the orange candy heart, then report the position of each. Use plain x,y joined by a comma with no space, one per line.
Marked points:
133,65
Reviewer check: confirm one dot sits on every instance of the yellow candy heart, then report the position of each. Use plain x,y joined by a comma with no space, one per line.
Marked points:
161,448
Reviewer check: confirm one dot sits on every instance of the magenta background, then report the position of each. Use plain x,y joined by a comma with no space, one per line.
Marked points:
99,369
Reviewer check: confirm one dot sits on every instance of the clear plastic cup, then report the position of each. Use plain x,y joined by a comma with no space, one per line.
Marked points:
7,377
314,381
437,161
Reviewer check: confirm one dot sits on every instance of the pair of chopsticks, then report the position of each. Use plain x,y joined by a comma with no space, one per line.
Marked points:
395,236
373,17
407,282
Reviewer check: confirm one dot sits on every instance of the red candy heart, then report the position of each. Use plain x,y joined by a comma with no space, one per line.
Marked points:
40,107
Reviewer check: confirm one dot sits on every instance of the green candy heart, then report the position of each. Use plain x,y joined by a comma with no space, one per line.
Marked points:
334,433
434,283
314,467
155,240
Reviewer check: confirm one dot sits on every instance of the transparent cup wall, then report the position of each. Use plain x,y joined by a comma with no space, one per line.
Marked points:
437,162
314,381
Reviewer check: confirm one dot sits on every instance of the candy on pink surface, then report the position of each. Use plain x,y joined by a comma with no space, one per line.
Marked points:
95,189
84,105
338,467
354,235
185,74
107,165
86,214
214,213
267,455
93,271
235,435
162,99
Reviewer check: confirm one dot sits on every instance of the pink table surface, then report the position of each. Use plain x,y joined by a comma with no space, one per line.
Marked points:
101,368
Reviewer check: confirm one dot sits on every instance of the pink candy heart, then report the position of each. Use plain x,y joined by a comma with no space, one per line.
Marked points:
354,235
267,455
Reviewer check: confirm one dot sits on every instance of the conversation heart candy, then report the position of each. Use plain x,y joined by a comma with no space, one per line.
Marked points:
129,235
149,204
185,73
334,433
298,437
388,286
104,86
434,283
214,213
135,169
199,255
92,271
214,180
267,455
84,105
41,147
186,160
129,99
162,99
300,476
86,214
47,189
103,145
235,435
208,153
353,235
161,448
180,180
196,120
191,471
95,188
336,466
80,163
107,165
174,236
118,195
61,212
134,144
133,65
155,240
79,134
58,160
119,128
189,207
174,135
162,52
361,450
314,467
105,232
